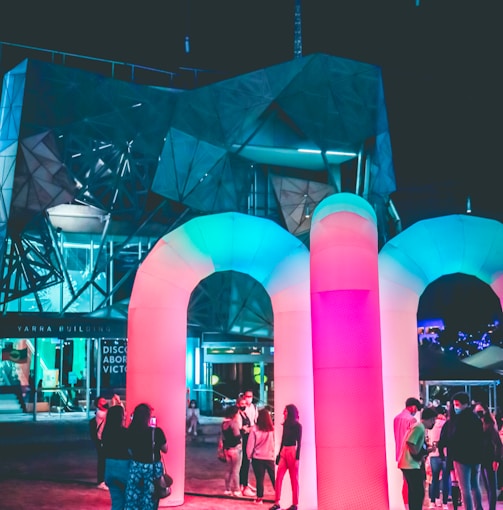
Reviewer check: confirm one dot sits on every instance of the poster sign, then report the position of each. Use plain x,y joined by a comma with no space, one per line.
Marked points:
113,359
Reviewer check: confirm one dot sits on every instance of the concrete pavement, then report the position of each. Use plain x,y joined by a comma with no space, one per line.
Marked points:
51,464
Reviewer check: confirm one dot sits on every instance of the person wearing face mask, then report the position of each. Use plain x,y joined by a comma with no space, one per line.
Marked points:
491,453
402,423
464,443
413,451
248,414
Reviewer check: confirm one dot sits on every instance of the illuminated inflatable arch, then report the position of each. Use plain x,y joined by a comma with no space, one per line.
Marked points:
407,265
157,325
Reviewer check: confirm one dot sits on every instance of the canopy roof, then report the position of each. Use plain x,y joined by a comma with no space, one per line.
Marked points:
491,358
437,365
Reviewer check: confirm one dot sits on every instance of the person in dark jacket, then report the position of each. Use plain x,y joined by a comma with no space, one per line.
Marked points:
116,453
491,453
464,448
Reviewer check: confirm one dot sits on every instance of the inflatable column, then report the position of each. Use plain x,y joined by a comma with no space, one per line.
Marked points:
347,368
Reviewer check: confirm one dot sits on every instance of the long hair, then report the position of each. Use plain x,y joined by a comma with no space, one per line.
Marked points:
230,412
141,417
292,414
488,422
114,420
264,420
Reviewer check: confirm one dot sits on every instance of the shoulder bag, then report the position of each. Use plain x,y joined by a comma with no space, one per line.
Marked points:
162,485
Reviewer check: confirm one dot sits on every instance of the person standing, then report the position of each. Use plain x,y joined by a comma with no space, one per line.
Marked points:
288,456
192,418
146,441
116,453
438,464
411,458
402,423
248,414
232,441
260,451
99,424
491,453
464,441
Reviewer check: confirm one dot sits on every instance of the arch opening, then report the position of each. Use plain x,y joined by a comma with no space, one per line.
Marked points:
159,303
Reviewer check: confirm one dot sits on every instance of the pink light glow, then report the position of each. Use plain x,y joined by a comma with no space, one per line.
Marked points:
347,370
157,326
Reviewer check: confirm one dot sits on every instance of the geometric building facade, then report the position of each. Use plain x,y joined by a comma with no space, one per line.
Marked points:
94,170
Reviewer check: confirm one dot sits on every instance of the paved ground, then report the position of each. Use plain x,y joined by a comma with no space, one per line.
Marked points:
51,464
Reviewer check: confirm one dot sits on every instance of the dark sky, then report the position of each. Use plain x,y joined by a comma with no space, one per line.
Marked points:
441,65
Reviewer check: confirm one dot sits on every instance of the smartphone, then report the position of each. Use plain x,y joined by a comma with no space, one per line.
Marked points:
153,422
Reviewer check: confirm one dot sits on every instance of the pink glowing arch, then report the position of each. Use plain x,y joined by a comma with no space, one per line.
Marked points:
407,265
350,448
157,325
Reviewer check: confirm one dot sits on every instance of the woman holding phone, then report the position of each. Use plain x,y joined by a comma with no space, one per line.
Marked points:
146,441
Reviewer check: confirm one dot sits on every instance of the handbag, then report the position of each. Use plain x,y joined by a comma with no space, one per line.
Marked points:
162,485
220,449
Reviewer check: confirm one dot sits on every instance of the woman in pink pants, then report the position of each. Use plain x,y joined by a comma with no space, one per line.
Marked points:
288,456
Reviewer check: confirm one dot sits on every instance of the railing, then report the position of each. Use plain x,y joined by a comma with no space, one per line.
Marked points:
225,400
165,78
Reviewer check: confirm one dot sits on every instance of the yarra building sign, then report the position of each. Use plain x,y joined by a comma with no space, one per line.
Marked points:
24,326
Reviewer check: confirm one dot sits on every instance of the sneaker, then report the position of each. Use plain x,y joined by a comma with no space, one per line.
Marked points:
258,501
252,488
275,507
227,493
248,492
237,494
102,486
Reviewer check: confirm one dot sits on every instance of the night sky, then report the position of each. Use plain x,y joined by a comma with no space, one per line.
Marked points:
441,66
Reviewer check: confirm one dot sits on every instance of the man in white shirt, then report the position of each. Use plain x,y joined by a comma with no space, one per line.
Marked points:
412,455
402,423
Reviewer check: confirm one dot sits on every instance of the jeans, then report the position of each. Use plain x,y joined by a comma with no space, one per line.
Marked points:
415,486
233,456
439,466
116,477
468,477
245,463
490,484
100,476
260,466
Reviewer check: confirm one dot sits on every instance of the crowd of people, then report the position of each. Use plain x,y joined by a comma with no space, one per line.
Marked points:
452,450
248,439
129,458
